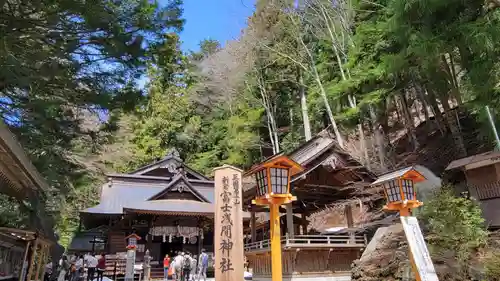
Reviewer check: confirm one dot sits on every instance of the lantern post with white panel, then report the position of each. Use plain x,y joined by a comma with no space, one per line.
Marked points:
130,263
401,196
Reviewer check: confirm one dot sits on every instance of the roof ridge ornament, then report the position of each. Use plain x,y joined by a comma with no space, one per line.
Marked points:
173,153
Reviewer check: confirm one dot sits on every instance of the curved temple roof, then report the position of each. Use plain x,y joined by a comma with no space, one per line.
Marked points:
20,179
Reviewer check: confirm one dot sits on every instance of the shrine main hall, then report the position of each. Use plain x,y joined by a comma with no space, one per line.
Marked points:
167,204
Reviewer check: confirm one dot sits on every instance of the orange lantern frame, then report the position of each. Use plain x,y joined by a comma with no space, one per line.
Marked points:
403,206
268,197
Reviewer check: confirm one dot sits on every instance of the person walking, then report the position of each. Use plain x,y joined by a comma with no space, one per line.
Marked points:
202,265
166,266
101,267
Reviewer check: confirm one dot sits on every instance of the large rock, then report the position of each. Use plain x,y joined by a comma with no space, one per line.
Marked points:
385,258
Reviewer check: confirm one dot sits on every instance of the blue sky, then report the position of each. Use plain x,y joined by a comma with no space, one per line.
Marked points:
221,20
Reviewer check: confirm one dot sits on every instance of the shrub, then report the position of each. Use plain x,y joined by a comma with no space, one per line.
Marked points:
492,267
454,223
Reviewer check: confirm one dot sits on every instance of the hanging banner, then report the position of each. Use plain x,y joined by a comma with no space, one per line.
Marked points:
228,224
418,249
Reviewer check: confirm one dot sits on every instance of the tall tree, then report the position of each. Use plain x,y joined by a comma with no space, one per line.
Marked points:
67,67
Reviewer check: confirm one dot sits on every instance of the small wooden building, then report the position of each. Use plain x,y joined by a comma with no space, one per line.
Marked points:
330,175
481,174
23,252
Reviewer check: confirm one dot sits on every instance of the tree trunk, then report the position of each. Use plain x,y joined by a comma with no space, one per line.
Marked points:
438,116
329,112
380,148
408,121
362,141
449,69
271,121
363,145
454,127
303,106
425,104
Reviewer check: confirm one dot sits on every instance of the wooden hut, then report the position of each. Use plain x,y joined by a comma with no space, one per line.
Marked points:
479,176
23,252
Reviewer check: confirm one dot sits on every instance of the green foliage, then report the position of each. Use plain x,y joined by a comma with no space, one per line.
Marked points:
454,223
11,214
65,64
492,266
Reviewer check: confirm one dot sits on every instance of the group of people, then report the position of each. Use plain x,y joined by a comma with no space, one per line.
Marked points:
73,268
186,267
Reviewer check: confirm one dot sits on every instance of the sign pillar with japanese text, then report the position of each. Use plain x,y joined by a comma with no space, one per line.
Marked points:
229,256
421,260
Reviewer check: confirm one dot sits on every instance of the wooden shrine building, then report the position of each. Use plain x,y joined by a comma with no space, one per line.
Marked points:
23,252
479,176
168,204
331,175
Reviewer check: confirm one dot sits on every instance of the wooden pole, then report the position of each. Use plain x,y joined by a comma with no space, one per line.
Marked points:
22,275
32,259
200,234
253,226
277,274
39,263
44,259
414,267
289,220
350,222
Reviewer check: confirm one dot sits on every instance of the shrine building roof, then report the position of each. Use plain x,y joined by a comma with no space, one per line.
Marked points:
166,187
330,174
118,195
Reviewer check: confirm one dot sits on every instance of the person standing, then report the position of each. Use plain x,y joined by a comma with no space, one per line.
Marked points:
194,262
166,266
64,269
203,265
91,266
77,271
48,272
101,267
178,261
186,267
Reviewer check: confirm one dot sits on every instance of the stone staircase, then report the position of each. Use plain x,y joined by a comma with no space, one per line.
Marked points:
157,272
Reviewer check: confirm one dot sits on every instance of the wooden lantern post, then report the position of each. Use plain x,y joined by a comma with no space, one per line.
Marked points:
401,196
273,190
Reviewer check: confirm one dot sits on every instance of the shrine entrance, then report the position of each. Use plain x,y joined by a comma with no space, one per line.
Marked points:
174,239
177,245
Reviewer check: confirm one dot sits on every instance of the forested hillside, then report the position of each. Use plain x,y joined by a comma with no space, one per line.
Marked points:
369,71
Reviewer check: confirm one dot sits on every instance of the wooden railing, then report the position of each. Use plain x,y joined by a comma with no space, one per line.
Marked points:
311,241
486,191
